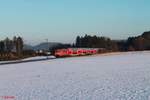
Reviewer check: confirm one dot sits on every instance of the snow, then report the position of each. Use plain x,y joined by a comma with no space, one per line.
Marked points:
116,76
36,58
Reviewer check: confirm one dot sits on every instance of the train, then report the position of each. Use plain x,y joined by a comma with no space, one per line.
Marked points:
69,52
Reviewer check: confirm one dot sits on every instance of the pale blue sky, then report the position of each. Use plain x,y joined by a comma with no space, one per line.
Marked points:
63,20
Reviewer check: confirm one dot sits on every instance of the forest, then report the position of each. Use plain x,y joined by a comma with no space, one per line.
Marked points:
138,43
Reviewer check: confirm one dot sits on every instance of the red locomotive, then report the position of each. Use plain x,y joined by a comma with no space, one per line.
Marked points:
75,52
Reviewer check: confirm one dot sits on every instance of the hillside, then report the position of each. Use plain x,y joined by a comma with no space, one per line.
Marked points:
41,46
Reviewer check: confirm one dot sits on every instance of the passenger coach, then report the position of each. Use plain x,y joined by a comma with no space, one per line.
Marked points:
75,52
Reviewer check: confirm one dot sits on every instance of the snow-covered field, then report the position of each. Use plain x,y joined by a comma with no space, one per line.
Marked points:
120,76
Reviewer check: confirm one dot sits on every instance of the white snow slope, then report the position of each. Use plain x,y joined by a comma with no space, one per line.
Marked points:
124,76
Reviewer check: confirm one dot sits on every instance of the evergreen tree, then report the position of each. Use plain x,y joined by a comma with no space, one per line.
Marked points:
19,46
8,44
2,46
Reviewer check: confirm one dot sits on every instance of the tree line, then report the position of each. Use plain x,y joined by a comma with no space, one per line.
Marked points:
11,48
141,42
